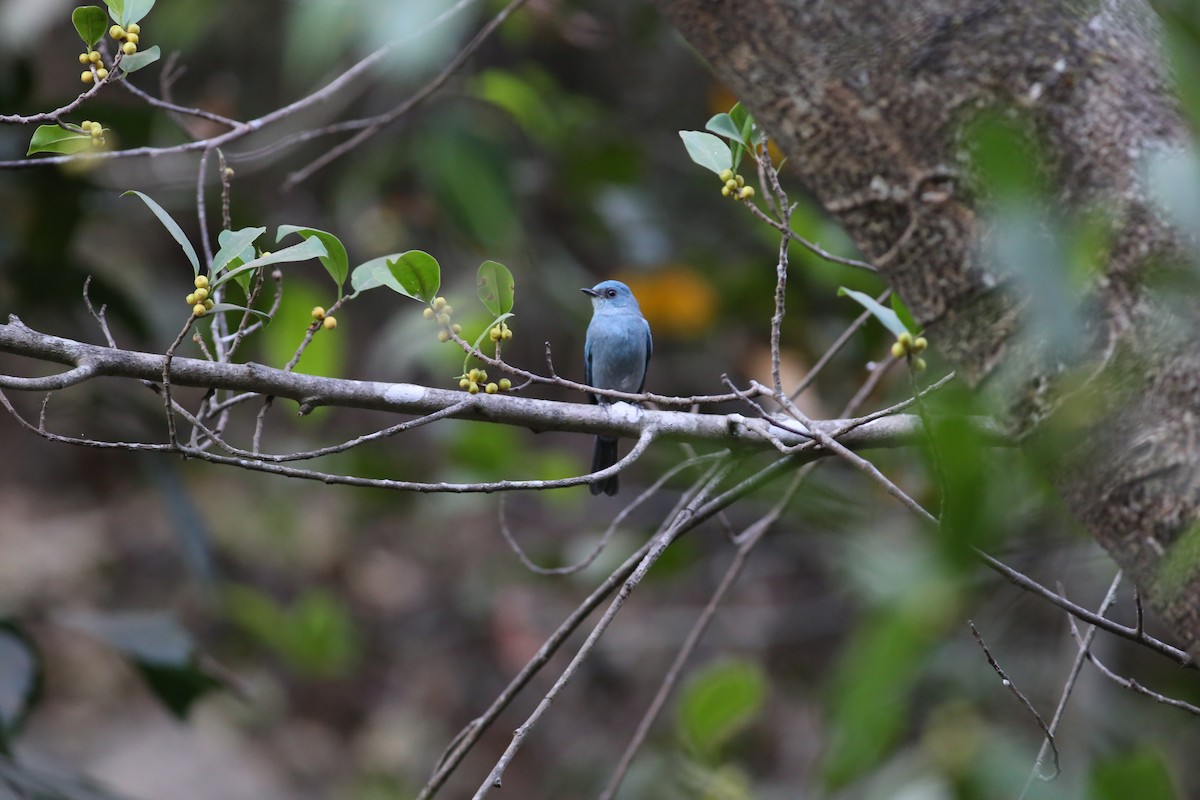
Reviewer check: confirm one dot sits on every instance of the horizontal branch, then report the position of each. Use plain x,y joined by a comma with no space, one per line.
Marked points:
88,361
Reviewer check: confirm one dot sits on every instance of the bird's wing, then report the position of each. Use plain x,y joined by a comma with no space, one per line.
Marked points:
587,368
649,351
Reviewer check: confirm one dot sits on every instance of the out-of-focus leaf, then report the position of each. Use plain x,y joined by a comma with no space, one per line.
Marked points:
495,284
172,228
234,244
1005,157
1175,181
90,23
161,649
324,355
1142,774
707,150
418,273
336,263
20,679
889,318
720,701
142,58
470,175
315,635
53,139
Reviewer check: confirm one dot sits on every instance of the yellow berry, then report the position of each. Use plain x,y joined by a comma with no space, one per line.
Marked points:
428,312
731,184
463,383
330,323
482,375
898,350
746,192
97,131
102,73
473,388
201,281
229,172
129,48
919,344
443,319
439,303
473,374
905,339
134,28
94,57
84,58
494,334
86,125
86,76
131,37
190,299
506,335
443,336
116,32
447,309
318,312
202,295
208,304
491,388
456,328
725,191
741,181
726,174
918,365
505,384
199,309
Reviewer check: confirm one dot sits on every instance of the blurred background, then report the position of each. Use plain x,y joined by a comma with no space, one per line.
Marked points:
354,632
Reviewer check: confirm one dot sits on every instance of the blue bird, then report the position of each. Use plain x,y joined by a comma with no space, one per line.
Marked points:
616,354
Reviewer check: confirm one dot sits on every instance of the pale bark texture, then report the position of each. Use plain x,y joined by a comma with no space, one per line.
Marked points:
868,99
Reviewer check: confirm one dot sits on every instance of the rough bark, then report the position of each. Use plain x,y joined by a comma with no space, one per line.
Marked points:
868,99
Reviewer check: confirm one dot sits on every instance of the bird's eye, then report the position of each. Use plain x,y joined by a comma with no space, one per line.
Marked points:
612,292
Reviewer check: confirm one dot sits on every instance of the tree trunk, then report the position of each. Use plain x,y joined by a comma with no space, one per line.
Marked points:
868,99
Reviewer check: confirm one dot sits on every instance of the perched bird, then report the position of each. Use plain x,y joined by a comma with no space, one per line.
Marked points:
616,354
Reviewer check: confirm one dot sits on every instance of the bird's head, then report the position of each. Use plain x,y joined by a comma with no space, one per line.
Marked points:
611,295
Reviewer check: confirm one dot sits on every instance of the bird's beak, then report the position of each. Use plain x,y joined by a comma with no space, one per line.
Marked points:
590,292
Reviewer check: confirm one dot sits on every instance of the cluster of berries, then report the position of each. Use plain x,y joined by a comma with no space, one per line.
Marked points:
500,332
471,381
127,35
199,300
906,346
89,59
95,129
329,322
441,311
735,186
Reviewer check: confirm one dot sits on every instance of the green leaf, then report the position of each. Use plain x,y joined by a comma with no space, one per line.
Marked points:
233,246
707,150
889,318
419,274
158,645
337,264
751,134
242,278
172,228
115,8
20,679
316,634
375,273
495,285
135,11
309,248
142,58
720,701
90,23
905,315
53,139
723,125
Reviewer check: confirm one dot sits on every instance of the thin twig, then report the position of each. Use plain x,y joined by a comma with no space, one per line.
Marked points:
97,315
1012,687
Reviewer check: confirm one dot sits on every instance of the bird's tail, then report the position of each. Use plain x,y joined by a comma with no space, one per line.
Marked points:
604,455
